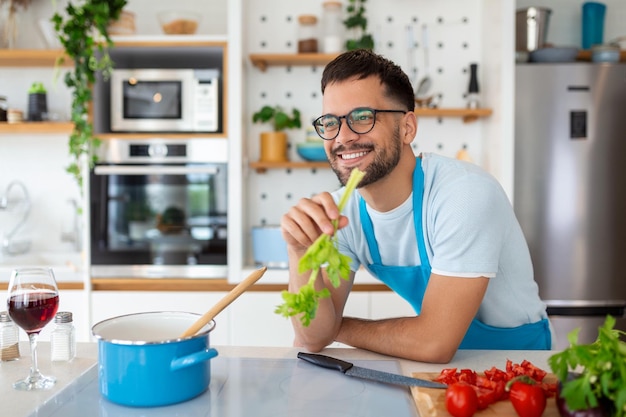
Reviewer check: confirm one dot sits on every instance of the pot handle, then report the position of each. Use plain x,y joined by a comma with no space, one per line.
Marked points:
192,359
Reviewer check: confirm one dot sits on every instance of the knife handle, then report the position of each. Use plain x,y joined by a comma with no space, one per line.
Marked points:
326,361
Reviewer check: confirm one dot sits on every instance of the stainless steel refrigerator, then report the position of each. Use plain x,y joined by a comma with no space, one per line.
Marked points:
570,189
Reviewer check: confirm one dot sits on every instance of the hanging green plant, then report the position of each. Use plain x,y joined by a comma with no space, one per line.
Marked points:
356,23
83,34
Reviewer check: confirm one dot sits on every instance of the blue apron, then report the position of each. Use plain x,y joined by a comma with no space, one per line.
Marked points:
410,283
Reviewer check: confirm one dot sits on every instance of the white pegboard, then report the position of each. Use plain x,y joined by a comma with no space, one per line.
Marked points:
454,40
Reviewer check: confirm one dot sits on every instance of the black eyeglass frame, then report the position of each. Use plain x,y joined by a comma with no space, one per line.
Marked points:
345,116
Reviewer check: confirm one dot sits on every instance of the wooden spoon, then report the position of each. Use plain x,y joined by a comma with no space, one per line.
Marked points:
224,302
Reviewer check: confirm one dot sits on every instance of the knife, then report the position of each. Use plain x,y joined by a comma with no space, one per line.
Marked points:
366,373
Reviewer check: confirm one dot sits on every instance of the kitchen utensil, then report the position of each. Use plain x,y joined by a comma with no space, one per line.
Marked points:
593,23
554,54
531,28
312,151
426,82
178,22
473,100
224,302
142,362
372,374
605,53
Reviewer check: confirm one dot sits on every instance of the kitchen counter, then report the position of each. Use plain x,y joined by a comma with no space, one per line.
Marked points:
23,404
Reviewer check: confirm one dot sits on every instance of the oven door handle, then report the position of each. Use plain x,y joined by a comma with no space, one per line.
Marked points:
154,170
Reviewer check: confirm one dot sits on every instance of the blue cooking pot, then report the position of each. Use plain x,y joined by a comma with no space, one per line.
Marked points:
143,362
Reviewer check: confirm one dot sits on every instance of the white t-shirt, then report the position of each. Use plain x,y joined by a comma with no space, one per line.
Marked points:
470,230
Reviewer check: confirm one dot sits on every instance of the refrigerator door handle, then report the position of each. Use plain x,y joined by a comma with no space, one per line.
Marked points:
615,308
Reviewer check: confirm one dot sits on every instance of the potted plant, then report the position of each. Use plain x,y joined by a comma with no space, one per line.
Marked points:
356,23
274,143
82,31
592,377
37,102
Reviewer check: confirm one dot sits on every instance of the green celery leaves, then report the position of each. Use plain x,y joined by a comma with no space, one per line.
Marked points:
322,253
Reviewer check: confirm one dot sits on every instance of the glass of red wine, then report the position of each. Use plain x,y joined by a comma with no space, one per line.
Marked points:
33,301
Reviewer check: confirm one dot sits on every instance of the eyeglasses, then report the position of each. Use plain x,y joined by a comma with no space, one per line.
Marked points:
360,120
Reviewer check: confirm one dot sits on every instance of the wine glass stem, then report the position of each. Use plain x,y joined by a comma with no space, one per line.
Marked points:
34,369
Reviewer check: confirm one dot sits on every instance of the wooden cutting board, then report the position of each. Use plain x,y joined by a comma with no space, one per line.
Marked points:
431,402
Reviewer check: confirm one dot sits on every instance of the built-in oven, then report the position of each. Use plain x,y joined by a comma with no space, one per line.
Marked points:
158,208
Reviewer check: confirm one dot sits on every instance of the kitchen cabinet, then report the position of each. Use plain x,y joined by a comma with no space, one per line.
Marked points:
254,322
76,302
385,304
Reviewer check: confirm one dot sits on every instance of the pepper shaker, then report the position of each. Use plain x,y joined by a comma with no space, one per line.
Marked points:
9,338
62,338
473,100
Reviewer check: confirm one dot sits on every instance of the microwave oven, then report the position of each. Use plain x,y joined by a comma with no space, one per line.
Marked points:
165,100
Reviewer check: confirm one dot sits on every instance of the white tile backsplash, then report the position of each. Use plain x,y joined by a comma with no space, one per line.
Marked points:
38,161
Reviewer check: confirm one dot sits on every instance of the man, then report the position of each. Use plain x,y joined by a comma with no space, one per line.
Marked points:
438,231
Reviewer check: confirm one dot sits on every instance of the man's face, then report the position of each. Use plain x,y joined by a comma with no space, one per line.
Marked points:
376,152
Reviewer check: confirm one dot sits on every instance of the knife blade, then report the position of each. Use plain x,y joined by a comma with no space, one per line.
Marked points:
350,369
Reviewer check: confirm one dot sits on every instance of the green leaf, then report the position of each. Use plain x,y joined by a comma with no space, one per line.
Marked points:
279,119
602,366
322,253
74,30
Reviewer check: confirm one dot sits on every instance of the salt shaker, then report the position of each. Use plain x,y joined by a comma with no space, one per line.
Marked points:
63,338
9,338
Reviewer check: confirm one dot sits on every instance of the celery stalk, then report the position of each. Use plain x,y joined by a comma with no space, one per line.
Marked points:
322,253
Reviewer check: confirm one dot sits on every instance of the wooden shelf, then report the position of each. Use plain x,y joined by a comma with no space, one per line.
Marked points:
48,57
262,167
262,61
468,115
31,57
37,127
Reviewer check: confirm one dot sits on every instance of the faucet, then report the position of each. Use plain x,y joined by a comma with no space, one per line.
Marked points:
75,235
10,246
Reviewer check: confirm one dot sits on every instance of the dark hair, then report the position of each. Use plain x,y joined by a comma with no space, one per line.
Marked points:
363,63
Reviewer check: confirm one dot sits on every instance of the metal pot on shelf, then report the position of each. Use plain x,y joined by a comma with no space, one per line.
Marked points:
531,28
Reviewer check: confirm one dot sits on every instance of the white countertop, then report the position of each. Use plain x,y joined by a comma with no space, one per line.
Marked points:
67,266
21,404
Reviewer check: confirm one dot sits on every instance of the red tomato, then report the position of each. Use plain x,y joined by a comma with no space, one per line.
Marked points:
461,400
528,398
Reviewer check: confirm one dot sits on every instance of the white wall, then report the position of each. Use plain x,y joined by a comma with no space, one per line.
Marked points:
460,32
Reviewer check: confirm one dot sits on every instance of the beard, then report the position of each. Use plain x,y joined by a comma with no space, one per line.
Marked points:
385,160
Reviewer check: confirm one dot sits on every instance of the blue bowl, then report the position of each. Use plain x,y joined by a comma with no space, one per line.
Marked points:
312,151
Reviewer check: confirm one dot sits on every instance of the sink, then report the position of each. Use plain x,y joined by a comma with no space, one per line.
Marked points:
67,266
